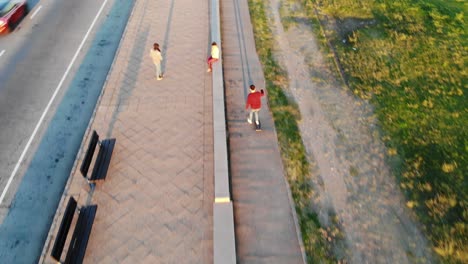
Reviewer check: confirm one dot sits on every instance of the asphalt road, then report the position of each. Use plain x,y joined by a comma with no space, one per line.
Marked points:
52,69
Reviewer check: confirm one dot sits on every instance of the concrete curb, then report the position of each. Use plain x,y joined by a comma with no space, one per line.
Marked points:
224,245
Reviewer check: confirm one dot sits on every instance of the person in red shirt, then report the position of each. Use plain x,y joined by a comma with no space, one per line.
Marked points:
254,101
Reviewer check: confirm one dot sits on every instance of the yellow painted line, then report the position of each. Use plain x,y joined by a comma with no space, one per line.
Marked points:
222,200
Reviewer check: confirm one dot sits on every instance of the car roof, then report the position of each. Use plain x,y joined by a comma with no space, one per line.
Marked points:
4,3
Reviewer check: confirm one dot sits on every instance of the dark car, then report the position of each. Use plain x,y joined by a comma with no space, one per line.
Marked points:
11,13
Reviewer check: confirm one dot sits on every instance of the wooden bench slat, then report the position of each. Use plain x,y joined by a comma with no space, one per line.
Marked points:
103,159
79,242
107,157
62,233
89,154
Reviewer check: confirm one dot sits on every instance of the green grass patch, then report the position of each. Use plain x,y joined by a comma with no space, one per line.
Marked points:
410,62
286,116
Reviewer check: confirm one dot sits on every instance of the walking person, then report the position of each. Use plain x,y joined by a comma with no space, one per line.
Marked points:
254,101
156,56
214,56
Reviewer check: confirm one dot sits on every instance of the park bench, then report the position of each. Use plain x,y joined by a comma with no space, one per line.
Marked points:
102,162
79,240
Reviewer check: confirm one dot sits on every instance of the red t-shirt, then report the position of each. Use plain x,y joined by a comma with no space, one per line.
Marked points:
254,100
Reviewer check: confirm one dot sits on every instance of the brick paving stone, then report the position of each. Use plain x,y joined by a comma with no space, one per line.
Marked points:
155,205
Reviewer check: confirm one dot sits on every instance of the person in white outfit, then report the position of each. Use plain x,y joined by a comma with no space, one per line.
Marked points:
156,56
214,56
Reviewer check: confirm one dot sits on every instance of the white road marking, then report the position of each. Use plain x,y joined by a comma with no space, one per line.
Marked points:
1,52
35,12
39,123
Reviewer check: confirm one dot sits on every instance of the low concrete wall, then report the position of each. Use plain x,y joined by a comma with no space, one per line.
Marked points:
223,233
224,245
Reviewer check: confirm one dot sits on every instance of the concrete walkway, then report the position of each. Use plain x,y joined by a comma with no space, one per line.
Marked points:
263,212
156,205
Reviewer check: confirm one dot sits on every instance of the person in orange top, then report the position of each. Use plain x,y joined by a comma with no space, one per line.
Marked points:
254,101
214,56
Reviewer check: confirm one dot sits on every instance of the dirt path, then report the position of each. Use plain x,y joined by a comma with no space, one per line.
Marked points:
344,148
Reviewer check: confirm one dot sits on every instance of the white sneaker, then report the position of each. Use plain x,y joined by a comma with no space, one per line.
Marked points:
257,123
249,121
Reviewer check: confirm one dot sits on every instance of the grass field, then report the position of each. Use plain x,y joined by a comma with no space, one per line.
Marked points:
408,58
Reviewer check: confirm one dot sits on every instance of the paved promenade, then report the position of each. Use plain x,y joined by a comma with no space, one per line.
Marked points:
156,205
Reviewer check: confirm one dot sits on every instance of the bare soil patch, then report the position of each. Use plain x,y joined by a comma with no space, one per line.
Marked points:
352,181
